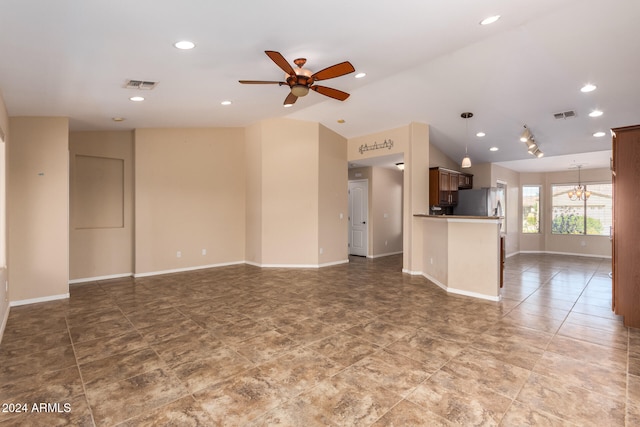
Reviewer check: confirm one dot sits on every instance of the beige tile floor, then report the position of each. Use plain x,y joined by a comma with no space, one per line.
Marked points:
356,344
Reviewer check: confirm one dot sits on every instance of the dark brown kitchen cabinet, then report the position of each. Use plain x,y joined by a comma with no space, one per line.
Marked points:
443,187
465,181
626,233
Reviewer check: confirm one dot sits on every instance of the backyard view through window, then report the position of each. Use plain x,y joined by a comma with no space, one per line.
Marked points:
531,209
591,217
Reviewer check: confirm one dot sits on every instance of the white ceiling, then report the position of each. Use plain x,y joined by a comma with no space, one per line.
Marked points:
426,61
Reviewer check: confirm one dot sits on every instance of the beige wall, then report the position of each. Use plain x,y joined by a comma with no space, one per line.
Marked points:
333,210
413,142
38,214
296,194
98,248
386,212
438,159
533,242
253,165
585,245
513,211
290,170
462,255
4,295
564,244
385,206
189,197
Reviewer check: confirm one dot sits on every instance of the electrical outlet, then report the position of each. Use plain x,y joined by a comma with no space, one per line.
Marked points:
431,261
204,252
178,254
321,251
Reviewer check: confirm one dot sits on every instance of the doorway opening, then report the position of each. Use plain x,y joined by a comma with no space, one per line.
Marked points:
376,206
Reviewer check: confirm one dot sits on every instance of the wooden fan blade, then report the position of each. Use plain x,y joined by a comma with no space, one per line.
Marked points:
280,61
334,71
331,92
290,99
261,82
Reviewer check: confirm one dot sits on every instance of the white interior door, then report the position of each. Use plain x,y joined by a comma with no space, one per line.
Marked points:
358,217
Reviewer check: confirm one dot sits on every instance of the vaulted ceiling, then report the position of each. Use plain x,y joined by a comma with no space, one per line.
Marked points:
425,60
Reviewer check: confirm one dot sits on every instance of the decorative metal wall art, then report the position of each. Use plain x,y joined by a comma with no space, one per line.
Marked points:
386,144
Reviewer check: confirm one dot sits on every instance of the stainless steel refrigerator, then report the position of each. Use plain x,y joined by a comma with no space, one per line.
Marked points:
479,202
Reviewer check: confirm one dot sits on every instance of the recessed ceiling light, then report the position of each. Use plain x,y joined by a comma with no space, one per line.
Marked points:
136,98
588,88
360,75
226,103
480,134
490,20
599,134
340,121
595,113
118,119
493,149
184,45
288,105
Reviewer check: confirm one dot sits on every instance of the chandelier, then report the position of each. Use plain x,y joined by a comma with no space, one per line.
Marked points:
579,192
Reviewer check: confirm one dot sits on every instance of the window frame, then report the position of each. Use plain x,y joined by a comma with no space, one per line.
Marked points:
584,208
540,217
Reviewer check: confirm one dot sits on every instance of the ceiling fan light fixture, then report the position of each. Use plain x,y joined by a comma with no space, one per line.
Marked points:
299,90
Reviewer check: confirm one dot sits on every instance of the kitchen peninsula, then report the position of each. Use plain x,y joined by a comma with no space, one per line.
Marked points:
463,254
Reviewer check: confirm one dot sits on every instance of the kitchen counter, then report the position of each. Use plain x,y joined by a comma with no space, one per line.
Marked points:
483,218
461,254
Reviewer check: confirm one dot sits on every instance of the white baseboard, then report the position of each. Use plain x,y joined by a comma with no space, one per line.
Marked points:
95,279
37,300
475,294
564,253
462,292
328,264
4,322
385,254
181,270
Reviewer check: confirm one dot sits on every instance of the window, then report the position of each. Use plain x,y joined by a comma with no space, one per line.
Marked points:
502,203
591,217
531,209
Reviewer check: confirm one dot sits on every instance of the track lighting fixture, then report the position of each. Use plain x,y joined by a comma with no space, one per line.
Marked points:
532,147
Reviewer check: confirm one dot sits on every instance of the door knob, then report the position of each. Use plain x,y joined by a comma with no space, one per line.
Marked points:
364,222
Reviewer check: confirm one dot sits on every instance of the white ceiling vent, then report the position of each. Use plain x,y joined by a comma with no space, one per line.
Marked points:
565,115
140,84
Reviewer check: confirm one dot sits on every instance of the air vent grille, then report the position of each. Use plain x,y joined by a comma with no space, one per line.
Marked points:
565,115
140,84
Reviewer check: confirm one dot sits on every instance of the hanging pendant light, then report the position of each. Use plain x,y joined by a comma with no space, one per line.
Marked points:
579,192
466,160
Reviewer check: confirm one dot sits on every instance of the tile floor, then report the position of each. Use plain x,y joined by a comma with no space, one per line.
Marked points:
356,344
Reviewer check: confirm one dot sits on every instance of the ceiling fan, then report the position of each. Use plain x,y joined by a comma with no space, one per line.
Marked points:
300,80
